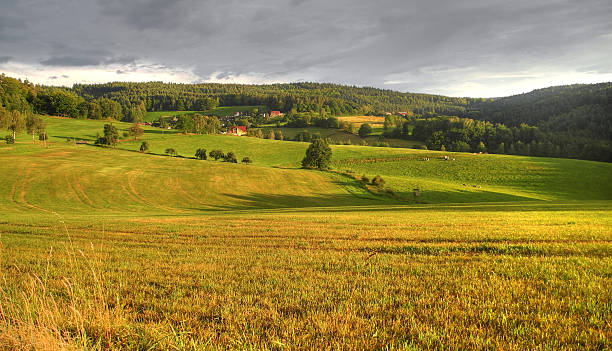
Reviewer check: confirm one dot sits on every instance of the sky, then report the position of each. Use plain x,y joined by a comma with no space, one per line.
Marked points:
475,48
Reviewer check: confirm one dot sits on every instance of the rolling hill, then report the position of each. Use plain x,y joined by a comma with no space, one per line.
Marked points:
70,177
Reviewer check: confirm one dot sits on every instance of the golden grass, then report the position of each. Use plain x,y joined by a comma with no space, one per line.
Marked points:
423,278
363,119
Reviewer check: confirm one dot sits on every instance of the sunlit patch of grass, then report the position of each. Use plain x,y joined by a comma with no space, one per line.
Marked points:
464,277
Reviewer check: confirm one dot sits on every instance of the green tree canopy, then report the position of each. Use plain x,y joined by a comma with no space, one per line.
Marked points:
318,155
365,130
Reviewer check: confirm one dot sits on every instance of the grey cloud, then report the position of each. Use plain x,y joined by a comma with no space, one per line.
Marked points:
70,61
417,45
5,59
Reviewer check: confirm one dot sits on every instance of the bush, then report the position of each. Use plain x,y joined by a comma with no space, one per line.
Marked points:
43,136
171,152
365,179
216,154
303,136
230,157
144,147
246,160
378,181
278,135
365,130
9,139
201,154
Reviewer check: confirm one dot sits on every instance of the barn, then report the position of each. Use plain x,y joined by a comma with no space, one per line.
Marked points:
237,130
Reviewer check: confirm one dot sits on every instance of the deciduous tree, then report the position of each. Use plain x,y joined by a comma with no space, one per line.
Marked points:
318,155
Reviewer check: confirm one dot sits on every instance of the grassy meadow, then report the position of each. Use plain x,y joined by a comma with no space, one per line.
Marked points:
152,116
113,249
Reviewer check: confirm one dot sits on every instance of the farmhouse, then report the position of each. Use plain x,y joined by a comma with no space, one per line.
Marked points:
274,113
238,130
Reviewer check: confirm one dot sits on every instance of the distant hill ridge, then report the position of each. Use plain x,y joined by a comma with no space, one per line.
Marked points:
575,111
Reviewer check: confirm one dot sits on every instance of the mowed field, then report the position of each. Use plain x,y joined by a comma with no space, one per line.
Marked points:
114,249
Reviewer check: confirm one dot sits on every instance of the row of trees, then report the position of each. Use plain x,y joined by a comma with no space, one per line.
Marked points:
197,123
324,99
468,135
16,122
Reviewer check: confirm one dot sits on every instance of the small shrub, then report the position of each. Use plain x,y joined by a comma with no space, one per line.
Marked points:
43,136
9,139
365,179
247,161
171,152
216,154
201,154
230,157
144,147
365,130
378,181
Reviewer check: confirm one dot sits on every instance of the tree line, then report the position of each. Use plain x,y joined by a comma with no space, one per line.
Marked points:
469,135
571,121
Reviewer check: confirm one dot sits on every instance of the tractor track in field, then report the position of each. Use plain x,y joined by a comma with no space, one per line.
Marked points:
76,194
80,188
24,191
187,194
14,190
134,194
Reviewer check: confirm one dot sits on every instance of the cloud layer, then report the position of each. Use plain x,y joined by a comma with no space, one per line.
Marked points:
461,48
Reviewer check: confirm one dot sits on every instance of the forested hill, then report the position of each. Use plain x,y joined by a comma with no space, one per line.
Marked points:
580,110
331,99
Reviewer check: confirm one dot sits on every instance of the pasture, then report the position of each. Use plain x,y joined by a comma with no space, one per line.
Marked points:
108,248
153,116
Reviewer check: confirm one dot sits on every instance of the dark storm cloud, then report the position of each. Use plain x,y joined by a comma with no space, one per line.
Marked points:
433,45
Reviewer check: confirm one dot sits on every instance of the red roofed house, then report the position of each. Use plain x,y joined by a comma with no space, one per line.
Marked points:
274,113
238,130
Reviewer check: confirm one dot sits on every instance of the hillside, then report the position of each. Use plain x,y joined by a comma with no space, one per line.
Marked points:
571,121
67,177
581,110
105,248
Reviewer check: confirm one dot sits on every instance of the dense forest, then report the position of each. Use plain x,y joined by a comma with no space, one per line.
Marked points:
580,110
568,121
330,99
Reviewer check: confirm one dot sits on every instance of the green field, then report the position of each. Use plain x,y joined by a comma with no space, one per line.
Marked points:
230,110
219,112
155,115
114,249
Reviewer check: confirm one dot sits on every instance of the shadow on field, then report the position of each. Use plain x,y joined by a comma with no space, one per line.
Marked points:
164,132
349,203
86,137
268,201
467,196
